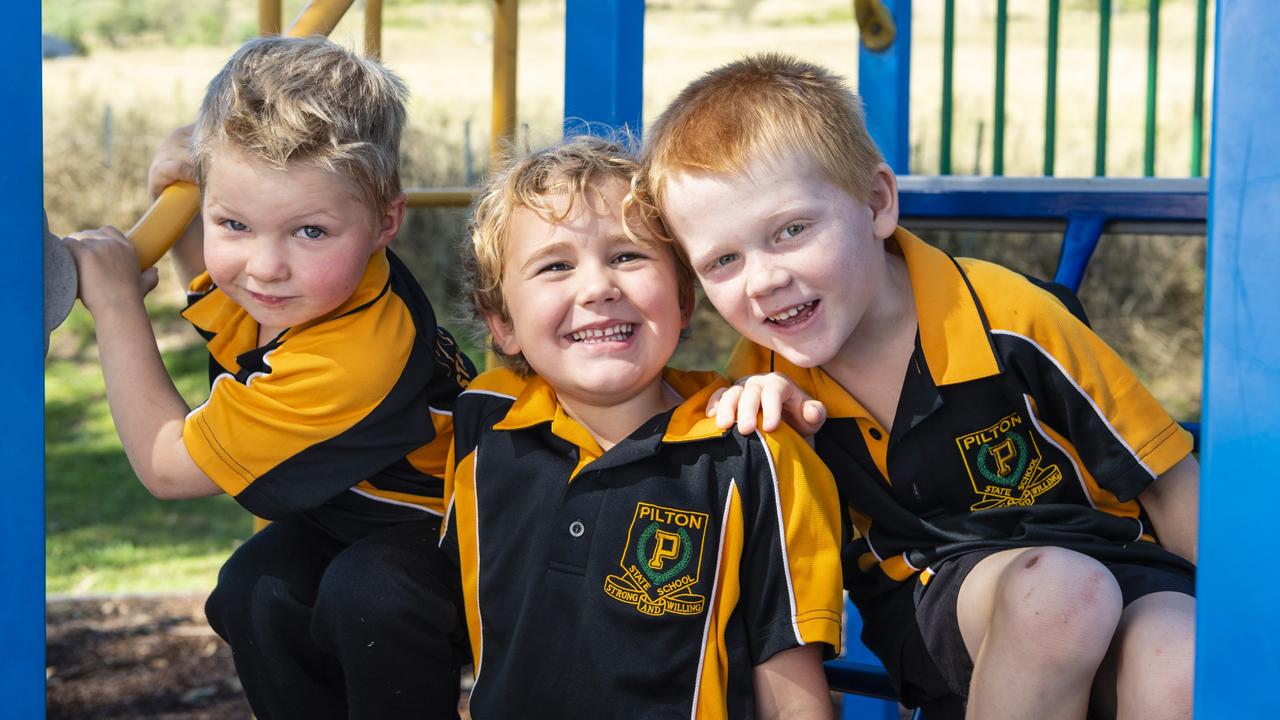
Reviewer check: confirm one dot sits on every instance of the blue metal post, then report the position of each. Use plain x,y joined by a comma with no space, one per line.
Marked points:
857,707
1238,628
603,66
884,82
22,365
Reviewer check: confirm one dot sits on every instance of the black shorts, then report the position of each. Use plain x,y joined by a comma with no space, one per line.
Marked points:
935,666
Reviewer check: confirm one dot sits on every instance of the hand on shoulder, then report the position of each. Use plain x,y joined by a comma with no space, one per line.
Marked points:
769,398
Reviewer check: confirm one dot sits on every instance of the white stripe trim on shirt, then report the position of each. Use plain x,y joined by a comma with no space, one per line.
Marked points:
1102,416
782,538
389,501
1035,421
713,598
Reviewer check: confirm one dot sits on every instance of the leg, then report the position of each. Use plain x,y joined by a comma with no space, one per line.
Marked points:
262,608
1037,623
1149,671
389,610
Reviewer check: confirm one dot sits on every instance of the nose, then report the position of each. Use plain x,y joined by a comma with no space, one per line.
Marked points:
596,285
764,278
267,261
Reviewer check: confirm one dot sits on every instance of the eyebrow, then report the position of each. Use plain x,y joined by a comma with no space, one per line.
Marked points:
543,252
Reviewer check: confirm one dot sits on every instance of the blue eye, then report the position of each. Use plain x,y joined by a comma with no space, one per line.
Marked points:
627,257
234,225
724,260
793,230
311,232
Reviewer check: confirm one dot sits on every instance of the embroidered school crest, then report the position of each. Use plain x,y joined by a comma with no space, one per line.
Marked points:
1005,465
661,561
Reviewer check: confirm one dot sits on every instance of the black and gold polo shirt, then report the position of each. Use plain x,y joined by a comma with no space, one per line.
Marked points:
1016,426
645,581
347,417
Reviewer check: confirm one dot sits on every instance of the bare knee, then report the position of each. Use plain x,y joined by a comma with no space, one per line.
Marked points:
1064,605
1155,667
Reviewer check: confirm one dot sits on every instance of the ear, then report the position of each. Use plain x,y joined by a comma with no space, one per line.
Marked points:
391,220
883,201
688,301
504,335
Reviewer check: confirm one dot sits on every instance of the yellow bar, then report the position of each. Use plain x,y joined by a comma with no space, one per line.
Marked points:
164,222
269,17
318,17
441,197
373,29
506,21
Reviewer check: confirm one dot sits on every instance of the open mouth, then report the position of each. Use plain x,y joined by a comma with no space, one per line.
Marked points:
613,333
794,314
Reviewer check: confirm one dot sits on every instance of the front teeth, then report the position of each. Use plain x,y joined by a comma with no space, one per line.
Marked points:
788,314
614,333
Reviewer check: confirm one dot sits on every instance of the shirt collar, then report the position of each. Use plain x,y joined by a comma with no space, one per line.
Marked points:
954,335
537,404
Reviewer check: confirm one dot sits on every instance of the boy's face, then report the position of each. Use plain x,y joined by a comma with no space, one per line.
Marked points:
593,313
791,260
288,246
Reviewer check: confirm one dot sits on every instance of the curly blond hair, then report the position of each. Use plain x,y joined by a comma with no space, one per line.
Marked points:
284,101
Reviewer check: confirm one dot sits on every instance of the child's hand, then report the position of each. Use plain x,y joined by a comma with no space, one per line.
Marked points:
172,161
774,395
107,268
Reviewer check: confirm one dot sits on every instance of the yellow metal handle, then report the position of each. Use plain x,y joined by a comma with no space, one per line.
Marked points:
875,24
164,222
170,214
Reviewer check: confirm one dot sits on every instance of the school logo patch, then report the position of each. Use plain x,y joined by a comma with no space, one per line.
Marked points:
1005,465
662,560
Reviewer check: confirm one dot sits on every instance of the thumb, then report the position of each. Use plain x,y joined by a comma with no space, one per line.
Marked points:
150,278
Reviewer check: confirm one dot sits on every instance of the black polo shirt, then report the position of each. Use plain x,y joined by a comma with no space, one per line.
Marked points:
1016,426
645,581
346,418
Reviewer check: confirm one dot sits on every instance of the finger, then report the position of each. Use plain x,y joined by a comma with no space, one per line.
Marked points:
810,417
713,402
748,408
150,278
771,405
726,412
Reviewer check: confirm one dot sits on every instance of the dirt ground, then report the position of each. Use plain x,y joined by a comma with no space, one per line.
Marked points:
138,657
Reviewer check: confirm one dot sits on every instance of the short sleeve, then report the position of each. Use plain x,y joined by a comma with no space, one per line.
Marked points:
791,558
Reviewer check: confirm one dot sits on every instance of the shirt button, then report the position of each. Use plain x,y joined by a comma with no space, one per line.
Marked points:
875,434
576,528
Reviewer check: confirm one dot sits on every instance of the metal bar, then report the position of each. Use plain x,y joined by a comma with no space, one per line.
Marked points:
1237,624
270,17
884,82
1104,60
1051,89
997,140
441,197
318,17
1153,52
506,27
604,66
373,28
1078,243
859,671
22,664
948,72
1197,102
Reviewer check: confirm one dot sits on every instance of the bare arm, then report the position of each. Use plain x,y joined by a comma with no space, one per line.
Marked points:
146,407
792,685
172,163
1173,502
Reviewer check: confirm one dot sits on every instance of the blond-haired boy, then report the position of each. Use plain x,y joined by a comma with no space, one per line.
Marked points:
621,555
331,386
1007,474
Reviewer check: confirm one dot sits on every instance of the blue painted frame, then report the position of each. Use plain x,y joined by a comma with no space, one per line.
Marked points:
884,83
22,424
1238,627
603,66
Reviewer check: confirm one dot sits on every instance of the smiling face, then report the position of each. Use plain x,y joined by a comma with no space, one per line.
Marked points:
791,260
594,313
289,245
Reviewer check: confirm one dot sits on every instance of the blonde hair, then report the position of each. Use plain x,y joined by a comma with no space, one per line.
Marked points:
769,107
574,170
282,101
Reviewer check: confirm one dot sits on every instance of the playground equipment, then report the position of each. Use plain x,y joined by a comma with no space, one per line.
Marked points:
1237,624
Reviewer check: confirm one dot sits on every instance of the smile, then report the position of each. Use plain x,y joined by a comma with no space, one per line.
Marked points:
613,333
267,300
790,315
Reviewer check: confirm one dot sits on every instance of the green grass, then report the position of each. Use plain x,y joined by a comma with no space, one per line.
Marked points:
104,531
